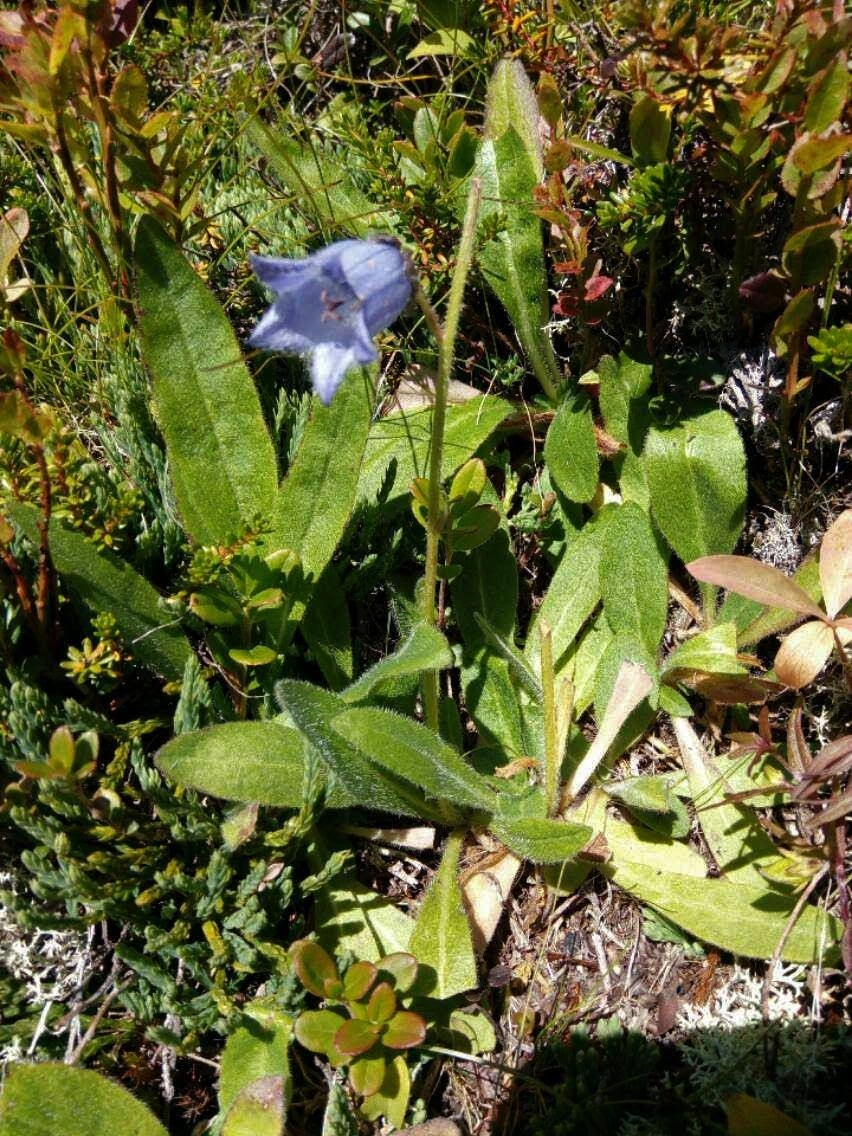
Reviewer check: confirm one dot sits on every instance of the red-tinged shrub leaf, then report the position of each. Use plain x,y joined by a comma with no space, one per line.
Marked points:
405,1030
765,292
316,1029
402,967
754,580
358,980
366,1074
382,1005
314,966
835,564
356,1037
804,653
817,153
597,286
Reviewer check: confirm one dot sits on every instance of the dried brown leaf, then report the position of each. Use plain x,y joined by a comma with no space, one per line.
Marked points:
835,564
804,653
756,581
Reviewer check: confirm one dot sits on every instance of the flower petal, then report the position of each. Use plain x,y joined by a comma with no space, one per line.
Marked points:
329,364
278,273
804,653
376,271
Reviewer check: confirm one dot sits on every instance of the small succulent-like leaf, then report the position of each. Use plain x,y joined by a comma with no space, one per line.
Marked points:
835,564
356,1036
467,486
317,1029
382,1004
314,966
366,1074
402,967
62,748
757,581
215,608
358,980
804,653
405,1030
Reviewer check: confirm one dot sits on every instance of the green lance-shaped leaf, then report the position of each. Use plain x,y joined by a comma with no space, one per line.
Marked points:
487,589
317,496
398,446
697,481
574,593
739,844
423,649
570,450
327,630
321,182
416,754
260,762
259,1048
633,577
103,582
312,710
441,938
220,454
745,920
38,1100
541,840
510,166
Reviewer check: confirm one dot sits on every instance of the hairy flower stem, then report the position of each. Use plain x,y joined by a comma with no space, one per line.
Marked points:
446,338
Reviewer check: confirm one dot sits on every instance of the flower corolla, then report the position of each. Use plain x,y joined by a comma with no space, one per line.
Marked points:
329,305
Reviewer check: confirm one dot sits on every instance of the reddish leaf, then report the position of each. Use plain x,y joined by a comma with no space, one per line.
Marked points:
316,1029
835,564
764,292
355,1037
804,653
314,967
405,1030
358,980
756,581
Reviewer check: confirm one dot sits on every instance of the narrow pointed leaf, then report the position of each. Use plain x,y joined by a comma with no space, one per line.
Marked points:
631,686
441,938
423,649
412,751
311,509
104,582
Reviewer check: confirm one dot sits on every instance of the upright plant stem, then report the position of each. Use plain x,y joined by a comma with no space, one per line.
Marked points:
550,772
446,349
